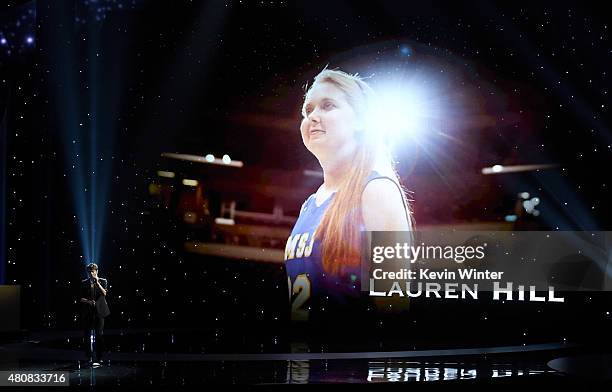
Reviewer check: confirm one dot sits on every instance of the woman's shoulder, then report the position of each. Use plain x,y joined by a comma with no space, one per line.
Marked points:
305,203
379,189
391,214
376,174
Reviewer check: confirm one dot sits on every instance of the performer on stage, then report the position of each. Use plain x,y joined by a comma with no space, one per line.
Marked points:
94,309
360,191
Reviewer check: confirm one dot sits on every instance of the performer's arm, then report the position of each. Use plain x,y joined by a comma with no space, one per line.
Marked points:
83,300
102,289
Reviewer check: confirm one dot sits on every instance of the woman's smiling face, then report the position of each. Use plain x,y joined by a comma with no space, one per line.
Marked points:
329,121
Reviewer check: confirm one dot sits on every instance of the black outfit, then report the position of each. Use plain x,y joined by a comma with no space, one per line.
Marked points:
92,317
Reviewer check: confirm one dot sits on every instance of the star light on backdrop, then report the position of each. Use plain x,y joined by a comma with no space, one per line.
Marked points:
99,10
405,50
17,30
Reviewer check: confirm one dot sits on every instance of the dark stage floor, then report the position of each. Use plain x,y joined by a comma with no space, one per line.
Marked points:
180,357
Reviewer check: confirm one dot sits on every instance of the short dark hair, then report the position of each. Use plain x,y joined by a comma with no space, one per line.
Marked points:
92,266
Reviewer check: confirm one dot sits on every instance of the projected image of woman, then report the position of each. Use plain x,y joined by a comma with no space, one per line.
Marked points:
360,191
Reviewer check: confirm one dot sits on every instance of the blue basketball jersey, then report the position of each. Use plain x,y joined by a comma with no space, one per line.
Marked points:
310,290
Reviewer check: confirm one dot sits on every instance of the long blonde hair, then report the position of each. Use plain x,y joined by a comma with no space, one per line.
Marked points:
340,228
